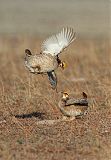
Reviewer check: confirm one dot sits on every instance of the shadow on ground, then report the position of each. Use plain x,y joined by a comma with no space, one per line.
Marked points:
30,115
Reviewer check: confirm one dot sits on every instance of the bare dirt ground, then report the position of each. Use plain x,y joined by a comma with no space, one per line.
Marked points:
26,100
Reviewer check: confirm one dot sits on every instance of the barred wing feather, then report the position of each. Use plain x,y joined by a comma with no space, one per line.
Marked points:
57,43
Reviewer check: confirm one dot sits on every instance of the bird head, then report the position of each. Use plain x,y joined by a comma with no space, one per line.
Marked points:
65,96
28,52
63,65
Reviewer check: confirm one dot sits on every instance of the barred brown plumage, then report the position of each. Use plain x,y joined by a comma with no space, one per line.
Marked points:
76,108
48,60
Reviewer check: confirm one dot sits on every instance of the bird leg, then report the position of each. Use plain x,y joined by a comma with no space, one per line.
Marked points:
36,69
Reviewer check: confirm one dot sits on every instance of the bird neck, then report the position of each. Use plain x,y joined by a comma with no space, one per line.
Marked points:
62,103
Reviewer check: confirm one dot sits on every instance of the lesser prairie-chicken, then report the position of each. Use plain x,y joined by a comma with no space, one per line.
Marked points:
47,61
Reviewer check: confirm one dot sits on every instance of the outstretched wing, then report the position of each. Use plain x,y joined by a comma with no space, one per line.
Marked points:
57,43
53,79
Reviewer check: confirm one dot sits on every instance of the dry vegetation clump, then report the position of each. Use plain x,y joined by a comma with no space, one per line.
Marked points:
27,99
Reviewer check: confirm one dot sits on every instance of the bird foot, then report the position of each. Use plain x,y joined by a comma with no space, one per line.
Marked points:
68,118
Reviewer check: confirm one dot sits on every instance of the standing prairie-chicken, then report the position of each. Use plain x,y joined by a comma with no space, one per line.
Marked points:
48,60
71,107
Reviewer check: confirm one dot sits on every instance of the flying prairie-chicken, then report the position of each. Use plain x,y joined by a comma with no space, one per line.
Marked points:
48,60
71,107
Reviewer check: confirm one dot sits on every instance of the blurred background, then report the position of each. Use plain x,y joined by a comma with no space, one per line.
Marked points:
26,99
41,17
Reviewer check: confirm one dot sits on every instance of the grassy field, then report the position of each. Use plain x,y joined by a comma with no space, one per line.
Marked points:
26,100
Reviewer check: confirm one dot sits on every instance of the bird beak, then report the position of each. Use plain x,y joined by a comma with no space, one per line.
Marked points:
63,65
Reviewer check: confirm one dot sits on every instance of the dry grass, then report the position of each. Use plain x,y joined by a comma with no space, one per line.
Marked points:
27,99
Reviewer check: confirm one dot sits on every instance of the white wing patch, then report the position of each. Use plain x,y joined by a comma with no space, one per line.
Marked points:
57,43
